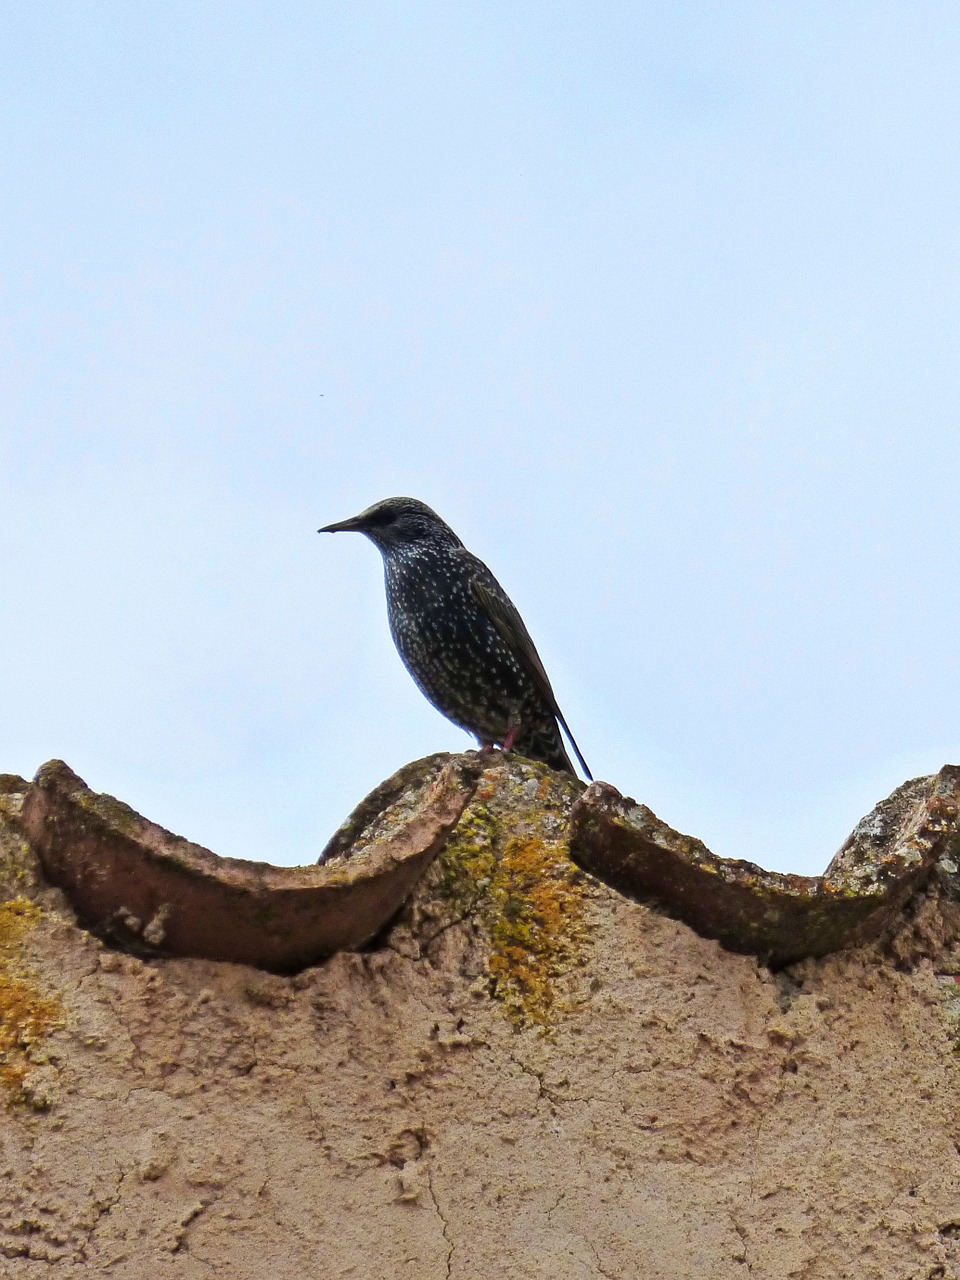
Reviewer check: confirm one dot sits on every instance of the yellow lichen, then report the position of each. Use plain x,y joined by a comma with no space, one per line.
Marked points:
530,898
539,928
26,1014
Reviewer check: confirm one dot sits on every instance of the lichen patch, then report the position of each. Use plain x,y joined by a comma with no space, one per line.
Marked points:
27,1014
528,896
539,929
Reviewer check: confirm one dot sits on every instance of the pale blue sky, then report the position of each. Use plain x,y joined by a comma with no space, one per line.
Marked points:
657,304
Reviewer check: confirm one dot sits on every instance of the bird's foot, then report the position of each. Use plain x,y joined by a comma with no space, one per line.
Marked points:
510,739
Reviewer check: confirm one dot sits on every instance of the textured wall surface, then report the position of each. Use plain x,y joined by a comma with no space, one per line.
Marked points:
526,1075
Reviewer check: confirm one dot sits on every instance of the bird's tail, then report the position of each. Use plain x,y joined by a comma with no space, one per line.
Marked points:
540,744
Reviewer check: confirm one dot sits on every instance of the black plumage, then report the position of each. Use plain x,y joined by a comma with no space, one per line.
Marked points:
460,636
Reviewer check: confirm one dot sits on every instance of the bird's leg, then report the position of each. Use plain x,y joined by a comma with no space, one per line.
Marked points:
511,738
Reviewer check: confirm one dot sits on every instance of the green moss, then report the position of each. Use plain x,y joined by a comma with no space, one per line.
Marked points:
111,811
16,862
469,860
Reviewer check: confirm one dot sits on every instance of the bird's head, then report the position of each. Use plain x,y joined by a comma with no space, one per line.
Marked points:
395,523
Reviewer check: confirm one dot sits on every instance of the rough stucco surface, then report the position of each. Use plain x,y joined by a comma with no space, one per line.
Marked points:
632,1102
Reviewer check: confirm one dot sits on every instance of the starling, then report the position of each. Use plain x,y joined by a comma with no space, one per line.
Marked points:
460,636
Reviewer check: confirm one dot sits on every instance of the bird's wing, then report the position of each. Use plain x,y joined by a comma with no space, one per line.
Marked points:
501,611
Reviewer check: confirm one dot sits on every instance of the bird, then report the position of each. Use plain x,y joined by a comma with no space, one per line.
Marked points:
460,636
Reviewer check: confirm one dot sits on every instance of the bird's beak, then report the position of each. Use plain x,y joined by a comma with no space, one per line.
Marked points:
353,525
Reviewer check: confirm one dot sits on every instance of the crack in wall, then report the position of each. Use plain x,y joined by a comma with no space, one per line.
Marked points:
103,1210
601,1270
192,1215
444,1225
543,1089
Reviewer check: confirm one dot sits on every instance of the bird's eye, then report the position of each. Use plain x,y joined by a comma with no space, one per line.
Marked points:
382,519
